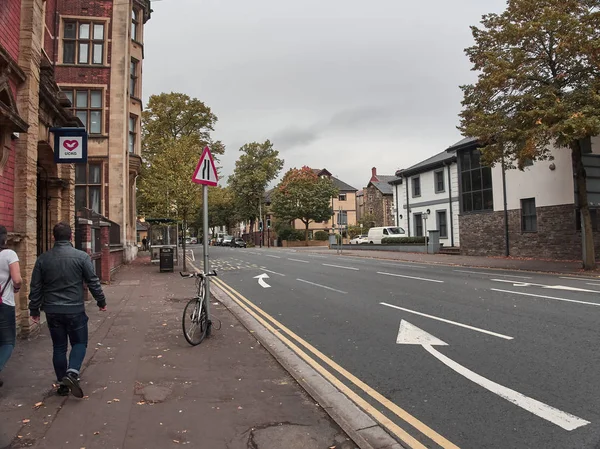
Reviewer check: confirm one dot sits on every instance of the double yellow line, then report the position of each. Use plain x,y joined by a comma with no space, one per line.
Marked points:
265,319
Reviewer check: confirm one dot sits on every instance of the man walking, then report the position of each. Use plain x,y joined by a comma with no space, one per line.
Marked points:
57,289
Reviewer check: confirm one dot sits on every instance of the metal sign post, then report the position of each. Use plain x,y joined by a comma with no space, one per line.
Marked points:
206,259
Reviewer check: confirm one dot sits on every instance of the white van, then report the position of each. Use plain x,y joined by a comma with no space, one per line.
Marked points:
376,234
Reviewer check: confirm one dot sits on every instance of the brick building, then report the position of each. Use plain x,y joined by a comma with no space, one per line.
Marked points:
35,192
378,199
541,205
98,51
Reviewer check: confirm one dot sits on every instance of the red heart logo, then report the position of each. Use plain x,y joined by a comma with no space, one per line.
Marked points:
71,145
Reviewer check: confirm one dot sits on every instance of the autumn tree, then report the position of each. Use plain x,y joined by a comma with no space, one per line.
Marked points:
169,117
303,195
538,86
258,165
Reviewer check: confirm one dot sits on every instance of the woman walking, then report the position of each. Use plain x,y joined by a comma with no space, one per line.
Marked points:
10,282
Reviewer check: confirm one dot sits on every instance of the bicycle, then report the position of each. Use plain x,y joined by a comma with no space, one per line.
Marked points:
199,326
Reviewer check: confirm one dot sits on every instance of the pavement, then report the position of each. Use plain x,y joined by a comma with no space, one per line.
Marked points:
438,354
571,267
147,388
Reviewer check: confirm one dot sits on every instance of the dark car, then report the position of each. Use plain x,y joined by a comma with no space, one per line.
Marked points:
238,243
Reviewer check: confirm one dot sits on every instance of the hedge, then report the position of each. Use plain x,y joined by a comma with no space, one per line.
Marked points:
403,241
321,236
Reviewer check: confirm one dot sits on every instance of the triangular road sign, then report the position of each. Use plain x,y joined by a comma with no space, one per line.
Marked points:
206,172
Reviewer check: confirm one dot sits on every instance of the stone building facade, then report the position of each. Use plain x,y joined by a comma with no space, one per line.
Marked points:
97,48
35,193
378,199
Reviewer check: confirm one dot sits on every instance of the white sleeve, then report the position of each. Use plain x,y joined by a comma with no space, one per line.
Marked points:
12,256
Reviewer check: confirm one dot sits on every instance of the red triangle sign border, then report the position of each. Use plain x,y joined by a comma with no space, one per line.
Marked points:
205,153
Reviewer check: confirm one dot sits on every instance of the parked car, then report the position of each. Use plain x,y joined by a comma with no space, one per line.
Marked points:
227,240
359,240
219,240
238,243
377,234
194,240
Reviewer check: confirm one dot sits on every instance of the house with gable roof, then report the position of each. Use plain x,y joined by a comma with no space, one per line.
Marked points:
378,199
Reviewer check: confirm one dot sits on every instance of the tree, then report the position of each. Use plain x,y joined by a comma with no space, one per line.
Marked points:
302,195
368,221
166,188
254,170
221,209
171,116
537,87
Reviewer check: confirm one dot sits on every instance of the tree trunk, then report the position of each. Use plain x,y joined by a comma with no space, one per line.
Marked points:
587,235
306,224
183,228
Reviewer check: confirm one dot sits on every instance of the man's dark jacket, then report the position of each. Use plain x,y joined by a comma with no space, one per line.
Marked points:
57,281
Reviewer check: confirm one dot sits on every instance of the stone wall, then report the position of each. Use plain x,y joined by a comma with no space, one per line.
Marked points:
380,204
557,238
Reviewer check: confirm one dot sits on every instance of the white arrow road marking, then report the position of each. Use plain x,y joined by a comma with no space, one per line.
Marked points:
410,277
409,334
554,287
261,280
546,297
444,320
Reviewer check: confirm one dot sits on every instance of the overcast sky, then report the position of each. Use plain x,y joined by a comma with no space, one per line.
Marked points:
339,84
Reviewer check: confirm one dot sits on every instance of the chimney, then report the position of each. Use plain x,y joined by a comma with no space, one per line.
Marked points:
374,177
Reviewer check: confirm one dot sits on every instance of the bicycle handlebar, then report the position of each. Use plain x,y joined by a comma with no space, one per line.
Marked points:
197,274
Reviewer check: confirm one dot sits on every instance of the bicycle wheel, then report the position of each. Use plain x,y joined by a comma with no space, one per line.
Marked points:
195,321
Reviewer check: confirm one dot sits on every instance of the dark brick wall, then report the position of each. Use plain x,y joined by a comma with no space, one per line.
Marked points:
10,25
7,189
557,238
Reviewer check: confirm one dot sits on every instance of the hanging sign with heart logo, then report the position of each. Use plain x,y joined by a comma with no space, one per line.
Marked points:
70,145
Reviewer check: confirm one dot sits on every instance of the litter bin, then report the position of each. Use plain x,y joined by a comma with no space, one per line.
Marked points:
166,259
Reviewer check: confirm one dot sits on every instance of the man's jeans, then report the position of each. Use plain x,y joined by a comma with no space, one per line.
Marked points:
7,333
66,328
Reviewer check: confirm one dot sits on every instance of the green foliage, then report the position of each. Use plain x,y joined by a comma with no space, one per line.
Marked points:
302,195
166,189
353,231
290,234
368,221
221,208
403,241
169,117
538,81
250,244
254,170
322,236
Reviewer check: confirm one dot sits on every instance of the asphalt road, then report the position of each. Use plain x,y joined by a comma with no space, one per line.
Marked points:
485,358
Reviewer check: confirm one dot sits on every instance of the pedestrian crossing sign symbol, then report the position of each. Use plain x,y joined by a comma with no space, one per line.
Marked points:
206,172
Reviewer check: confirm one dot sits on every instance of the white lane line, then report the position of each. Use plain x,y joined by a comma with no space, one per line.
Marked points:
322,286
444,320
494,274
410,277
591,283
273,272
298,260
274,257
252,252
547,297
402,265
314,255
562,419
340,266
